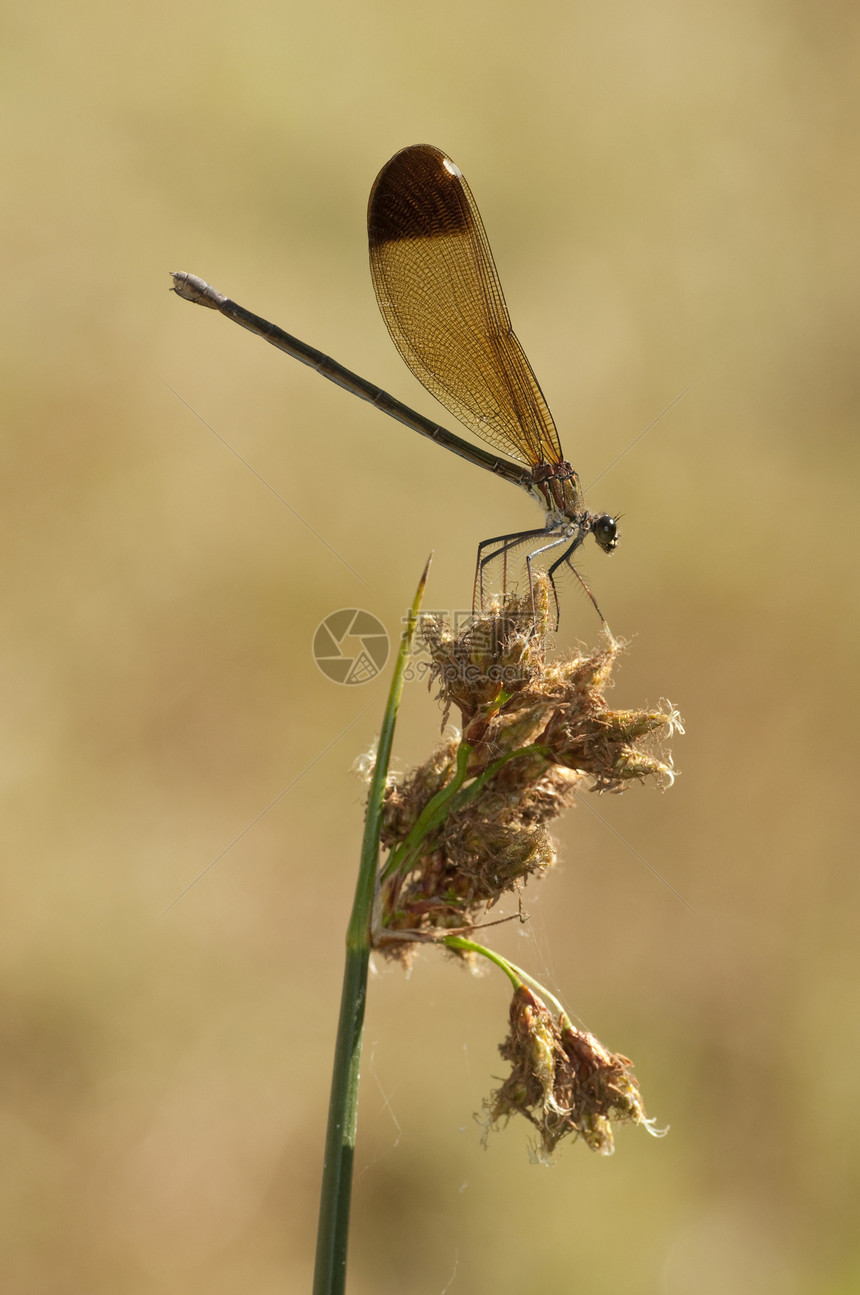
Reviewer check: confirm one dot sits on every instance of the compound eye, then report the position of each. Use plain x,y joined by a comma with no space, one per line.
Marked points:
606,532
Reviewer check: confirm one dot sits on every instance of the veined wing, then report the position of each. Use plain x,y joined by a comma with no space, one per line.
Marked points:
440,296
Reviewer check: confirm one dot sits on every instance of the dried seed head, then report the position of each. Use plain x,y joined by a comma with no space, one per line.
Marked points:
469,825
564,1081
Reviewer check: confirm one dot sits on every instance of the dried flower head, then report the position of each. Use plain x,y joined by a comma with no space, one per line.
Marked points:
564,1081
470,824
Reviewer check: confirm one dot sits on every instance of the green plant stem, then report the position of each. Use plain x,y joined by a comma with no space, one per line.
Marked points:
471,946
336,1193
516,974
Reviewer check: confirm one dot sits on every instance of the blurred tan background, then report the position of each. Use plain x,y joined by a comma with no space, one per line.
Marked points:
671,194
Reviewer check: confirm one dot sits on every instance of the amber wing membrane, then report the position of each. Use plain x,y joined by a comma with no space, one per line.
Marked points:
440,296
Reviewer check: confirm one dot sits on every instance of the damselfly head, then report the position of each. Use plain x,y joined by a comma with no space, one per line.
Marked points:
605,530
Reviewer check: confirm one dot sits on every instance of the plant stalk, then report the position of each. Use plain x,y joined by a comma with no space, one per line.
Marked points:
336,1193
